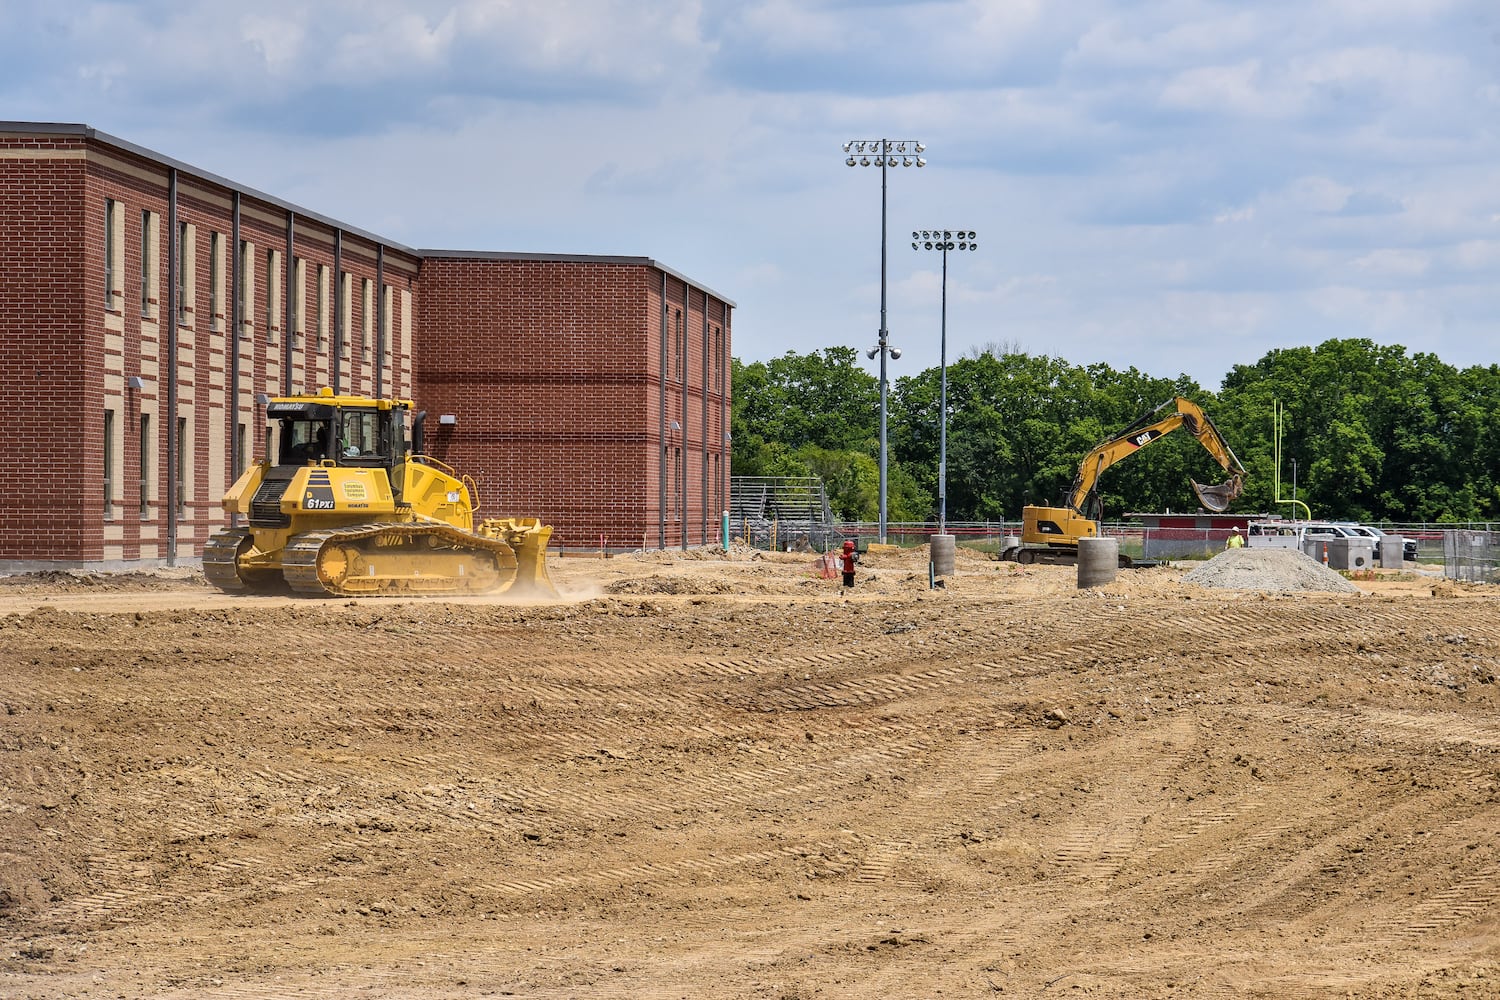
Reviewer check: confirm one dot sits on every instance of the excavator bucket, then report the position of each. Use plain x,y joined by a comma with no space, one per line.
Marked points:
1218,498
527,538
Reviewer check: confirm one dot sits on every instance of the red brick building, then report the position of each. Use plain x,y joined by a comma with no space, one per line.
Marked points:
147,308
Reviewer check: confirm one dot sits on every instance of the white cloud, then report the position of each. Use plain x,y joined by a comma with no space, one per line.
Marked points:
1144,177
278,40
1393,263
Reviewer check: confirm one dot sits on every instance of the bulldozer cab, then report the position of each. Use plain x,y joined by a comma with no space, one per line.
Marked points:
299,432
346,431
356,436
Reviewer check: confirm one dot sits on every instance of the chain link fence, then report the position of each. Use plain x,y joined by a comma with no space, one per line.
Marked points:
1471,556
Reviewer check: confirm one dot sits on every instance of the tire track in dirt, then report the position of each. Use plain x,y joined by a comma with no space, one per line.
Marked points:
1095,846
1470,900
599,880
1381,727
940,804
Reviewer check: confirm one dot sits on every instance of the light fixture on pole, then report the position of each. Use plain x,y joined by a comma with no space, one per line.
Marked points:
886,153
943,240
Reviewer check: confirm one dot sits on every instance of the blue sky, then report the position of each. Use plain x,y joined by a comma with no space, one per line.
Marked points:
1177,186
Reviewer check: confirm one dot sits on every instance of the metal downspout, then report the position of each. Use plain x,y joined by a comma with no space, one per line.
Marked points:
661,504
173,254
703,498
725,443
288,290
236,317
380,321
679,472
338,308
682,408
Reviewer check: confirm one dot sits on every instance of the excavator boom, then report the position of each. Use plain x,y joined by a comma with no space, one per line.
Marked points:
1146,430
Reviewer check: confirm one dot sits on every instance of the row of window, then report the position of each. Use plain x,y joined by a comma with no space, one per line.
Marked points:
186,284
678,360
180,472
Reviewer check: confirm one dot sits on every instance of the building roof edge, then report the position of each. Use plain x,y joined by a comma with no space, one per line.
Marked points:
575,258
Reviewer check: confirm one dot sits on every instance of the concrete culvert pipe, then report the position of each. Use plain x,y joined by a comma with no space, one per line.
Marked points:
1098,561
942,555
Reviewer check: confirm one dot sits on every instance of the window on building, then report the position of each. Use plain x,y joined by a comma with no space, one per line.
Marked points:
299,299
216,278
245,282
681,339
386,297
322,319
367,319
273,292
145,466
109,464
678,479
181,476
346,309
241,459
719,360
148,271
111,258
181,277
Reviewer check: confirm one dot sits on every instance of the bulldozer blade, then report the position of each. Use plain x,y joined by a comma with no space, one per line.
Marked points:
1218,498
531,563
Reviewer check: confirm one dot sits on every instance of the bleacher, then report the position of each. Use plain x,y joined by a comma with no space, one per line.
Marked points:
787,506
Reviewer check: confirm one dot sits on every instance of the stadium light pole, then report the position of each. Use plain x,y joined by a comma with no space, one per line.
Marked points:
885,153
943,240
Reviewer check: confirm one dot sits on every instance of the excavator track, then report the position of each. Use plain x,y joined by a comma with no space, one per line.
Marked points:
221,565
396,558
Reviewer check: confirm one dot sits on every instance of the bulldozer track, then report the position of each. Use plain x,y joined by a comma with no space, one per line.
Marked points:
301,561
221,560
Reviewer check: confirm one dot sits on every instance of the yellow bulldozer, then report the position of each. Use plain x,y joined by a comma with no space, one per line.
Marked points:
347,504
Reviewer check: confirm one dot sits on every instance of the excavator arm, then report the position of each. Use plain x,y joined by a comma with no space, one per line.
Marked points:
1148,428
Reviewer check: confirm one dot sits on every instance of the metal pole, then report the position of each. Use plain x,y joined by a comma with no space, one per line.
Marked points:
883,335
942,240
943,407
857,153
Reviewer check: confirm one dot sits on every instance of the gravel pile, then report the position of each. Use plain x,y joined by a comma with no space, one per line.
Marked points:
1268,569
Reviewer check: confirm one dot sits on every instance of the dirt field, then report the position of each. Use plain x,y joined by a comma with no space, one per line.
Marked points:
717,777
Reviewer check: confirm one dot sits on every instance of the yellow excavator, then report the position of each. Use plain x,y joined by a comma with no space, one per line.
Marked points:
1051,534
350,506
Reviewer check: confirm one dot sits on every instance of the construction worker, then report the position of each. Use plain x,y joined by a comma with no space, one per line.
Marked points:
1235,539
846,562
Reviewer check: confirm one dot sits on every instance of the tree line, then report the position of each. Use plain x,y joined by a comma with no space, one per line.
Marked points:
1368,433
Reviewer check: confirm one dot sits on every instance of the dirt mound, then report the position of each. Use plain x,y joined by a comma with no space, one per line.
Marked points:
68,581
1268,569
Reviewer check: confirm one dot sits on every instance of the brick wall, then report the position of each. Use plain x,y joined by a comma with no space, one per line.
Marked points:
569,405
46,361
